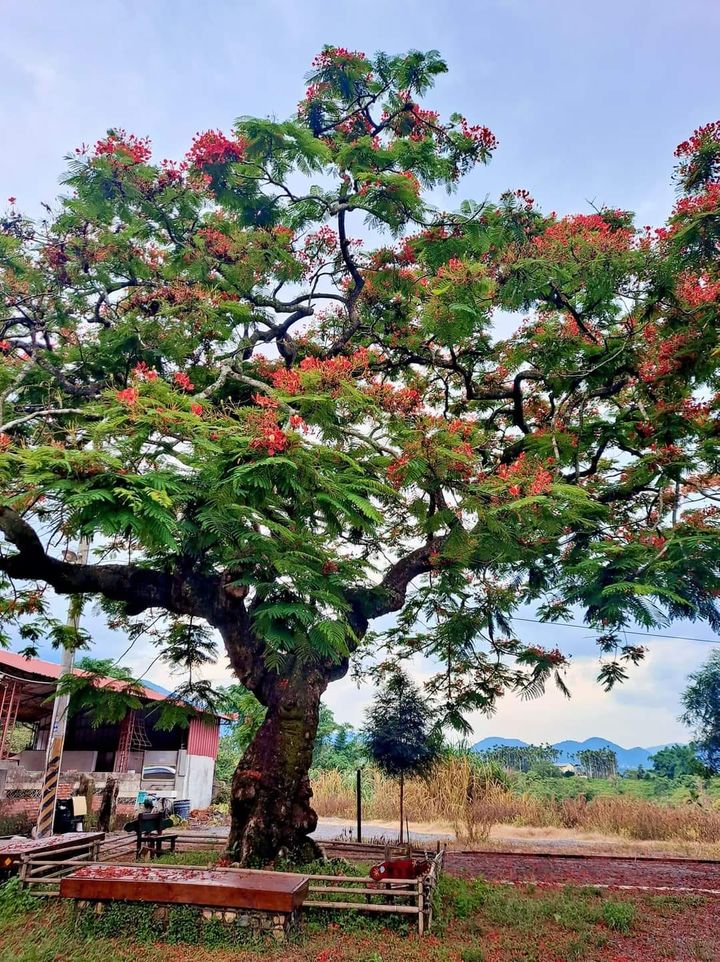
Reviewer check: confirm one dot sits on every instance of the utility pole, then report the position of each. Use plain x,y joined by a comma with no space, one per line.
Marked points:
58,724
358,797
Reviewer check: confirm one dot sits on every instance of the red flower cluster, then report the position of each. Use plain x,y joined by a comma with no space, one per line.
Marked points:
397,470
697,291
533,478
699,138
337,369
480,135
124,146
183,381
335,56
551,655
707,202
664,360
271,438
702,517
323,239
464,465
5,441
591,230
298,423
144,373
213,147
287,381
55,255
463,428
422,120
216,242
170,173
315,91
196,409
128,396
395,401
355,126
406,252
332,371
265,401
412,179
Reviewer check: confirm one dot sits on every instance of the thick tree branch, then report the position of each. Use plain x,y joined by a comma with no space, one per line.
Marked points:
390,594
139,588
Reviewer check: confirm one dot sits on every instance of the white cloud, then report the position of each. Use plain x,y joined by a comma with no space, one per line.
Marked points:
642,711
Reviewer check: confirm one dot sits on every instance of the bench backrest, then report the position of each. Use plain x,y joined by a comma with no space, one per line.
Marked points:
150,822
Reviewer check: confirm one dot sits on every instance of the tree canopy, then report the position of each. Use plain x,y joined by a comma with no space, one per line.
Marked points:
401,734
266,381
701,701
674,761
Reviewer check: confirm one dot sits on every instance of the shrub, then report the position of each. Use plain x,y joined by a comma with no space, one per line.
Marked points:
472,954
619,916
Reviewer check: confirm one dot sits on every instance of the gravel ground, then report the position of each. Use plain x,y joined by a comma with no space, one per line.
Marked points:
655,873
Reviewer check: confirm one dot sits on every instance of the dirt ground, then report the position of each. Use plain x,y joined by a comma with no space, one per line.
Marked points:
676,875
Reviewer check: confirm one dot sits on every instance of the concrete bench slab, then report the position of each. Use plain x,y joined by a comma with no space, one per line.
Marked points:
282,892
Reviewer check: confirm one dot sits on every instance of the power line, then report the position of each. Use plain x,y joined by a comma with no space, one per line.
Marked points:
626,631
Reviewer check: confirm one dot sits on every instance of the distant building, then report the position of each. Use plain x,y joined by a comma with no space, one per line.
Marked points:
566,769
175,764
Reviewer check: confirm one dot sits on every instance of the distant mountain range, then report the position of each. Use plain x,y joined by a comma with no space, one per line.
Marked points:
627,757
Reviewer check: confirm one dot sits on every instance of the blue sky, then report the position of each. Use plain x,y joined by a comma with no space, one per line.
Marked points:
588,101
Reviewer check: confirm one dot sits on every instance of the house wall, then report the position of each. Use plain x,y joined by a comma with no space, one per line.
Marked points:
203,736
198,774
34,761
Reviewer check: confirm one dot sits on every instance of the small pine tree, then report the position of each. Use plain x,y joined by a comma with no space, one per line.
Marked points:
400,737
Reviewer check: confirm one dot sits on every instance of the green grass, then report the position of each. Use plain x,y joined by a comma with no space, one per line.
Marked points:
200,858
675,791
474,922
576,909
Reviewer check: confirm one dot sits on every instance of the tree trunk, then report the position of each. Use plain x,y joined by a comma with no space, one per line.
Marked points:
108,804
270,799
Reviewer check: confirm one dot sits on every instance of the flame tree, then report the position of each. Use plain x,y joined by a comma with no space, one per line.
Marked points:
275,431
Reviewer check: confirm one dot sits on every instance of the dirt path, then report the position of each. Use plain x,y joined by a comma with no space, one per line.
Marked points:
654,873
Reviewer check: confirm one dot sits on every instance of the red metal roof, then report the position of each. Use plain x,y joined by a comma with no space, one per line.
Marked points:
49,671
39,671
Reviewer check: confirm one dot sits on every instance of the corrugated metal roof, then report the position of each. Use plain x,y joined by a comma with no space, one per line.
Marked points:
34,669
49,671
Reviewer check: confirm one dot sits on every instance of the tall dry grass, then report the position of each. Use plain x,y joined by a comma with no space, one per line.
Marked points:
473,799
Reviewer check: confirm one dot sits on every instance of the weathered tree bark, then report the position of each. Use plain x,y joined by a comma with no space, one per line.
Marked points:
108,804
270,799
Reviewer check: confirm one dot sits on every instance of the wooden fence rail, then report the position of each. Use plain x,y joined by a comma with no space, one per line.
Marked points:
42,874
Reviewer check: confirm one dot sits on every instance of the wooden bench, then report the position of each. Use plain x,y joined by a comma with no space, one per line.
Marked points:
155,843
148,828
